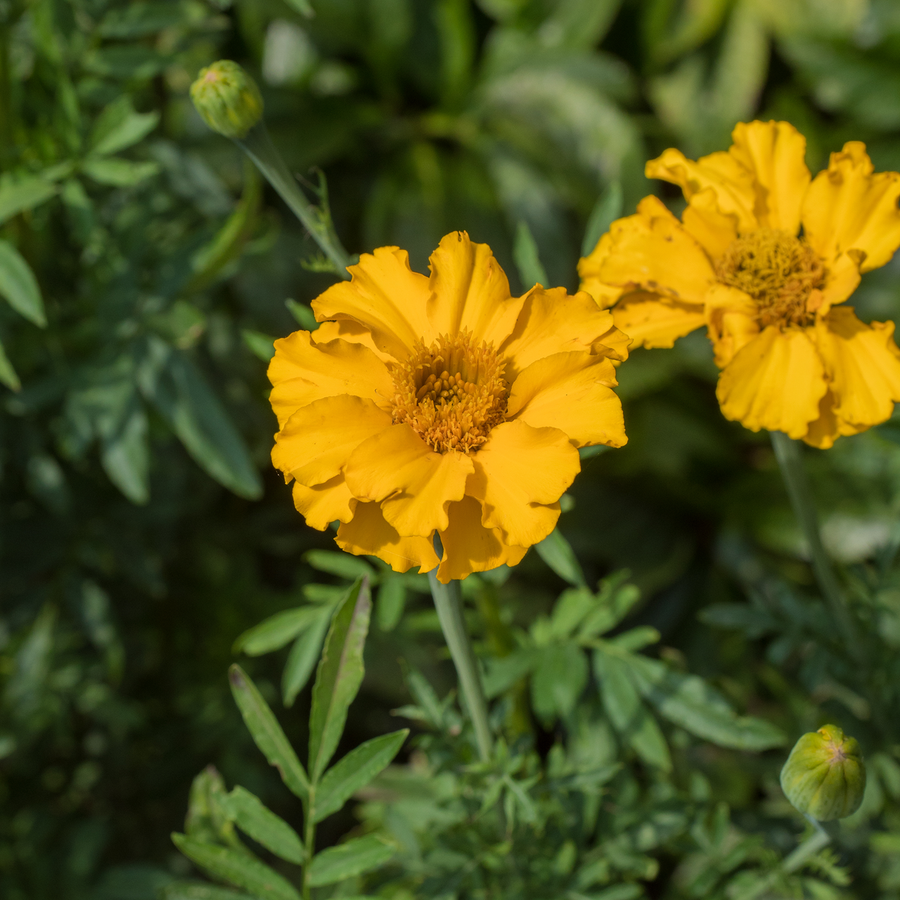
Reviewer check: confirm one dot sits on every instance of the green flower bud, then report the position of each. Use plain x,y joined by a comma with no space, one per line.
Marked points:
227,98
825,776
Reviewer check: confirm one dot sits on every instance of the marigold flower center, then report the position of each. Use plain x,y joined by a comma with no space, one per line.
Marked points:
452,393
778,270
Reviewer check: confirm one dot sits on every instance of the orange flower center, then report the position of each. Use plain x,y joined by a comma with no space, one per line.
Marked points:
779,271
452,393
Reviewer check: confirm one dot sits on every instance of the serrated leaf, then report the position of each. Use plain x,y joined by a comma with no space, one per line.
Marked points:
303,657
115,172
24,194
627,713
119,126
341,564
176,387
267,733
19,287
339,676
7,373
689,702
606,210
236,868
355,771
258,822
557,552
527,259
277,631
349,859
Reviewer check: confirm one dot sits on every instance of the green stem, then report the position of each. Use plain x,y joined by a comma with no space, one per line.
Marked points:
448,603
317,221
790,460
309,839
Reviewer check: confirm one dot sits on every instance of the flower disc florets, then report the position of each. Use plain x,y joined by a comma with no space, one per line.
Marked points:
779,271
762,256
442,407
452,393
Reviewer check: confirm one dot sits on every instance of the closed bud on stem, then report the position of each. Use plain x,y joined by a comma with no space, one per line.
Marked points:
227,99
824,777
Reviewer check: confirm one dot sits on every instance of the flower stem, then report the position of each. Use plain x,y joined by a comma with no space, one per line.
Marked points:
316,219
790,461
448,603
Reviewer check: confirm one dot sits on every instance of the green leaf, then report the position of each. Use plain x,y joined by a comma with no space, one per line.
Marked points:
126,455
303,314
260,345
557,552
241,870
304,7
558,679
689,702
607,209
390,602
349,859
628,714
171,381
19,287
267,733
115,172
139,19
199,890
528,262
354,771
207,819
7,373
339,676
119,126
255,820
341,564
303,657
24,194
614,602
276,631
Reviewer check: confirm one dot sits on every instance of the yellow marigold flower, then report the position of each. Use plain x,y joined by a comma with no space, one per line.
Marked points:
442,405
762,255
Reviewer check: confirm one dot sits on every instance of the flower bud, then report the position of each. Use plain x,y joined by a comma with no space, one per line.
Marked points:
227,98
824,776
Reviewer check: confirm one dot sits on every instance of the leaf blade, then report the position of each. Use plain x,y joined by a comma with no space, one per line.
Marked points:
257,821
348,859
19,287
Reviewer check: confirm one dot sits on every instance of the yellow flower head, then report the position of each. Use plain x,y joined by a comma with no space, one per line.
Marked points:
762,256
442,405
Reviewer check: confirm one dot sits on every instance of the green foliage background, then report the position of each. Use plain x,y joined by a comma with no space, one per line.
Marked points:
143,528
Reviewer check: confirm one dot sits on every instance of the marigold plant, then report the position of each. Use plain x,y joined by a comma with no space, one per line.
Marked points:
763,255
442,405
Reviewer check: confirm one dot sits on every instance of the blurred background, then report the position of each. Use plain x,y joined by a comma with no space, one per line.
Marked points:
143,527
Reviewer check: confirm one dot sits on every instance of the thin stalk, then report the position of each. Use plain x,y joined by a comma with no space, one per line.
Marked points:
790,461
309,839
448,603
259,147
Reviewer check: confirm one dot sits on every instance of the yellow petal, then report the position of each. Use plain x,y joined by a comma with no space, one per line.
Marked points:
470,547
368,534
614,344
654,321
732,321
518,472
386,297
589,272
325,503
842,278
653,252
720,172
302,372
775,155
775,382
863,363
416,484
553,322
708,225
470,291
348,330
571,392
317,440
847,207
828,427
